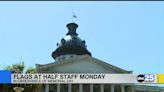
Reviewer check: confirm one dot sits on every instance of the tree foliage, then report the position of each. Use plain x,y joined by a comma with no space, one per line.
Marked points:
20,68
31,70
16,68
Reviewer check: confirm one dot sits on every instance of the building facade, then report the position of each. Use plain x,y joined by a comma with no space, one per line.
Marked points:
72,56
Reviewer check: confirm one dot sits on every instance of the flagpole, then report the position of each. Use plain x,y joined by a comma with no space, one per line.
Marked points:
72,15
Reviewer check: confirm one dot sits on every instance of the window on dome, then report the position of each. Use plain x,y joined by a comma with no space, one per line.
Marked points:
84,41
62,40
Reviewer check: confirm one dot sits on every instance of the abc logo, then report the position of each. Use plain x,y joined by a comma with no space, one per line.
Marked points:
146,78
140,78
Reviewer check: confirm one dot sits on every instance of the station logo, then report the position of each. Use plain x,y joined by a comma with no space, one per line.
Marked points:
146,78
140,78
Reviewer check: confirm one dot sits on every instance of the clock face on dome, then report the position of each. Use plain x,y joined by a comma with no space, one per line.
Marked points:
71,43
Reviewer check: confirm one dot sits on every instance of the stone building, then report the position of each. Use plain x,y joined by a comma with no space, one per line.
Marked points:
72,56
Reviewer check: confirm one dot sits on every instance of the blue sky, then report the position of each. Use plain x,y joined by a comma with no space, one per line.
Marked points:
126,34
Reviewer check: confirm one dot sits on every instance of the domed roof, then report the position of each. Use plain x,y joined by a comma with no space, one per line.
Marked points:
71,43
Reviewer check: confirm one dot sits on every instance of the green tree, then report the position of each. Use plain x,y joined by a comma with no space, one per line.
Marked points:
20,68
31,70
16,68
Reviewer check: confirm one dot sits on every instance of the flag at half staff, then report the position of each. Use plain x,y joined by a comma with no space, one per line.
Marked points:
74,16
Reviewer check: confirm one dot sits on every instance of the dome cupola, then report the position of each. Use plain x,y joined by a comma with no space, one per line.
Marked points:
71,43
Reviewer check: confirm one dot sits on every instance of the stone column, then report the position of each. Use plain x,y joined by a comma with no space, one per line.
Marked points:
91,87
69,87
80,87
112,88
47,88
122,88
101,87
58,87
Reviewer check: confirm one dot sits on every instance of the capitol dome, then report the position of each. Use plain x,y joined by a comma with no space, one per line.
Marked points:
71,43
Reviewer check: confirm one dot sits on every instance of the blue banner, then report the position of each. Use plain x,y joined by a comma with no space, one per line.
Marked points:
5,77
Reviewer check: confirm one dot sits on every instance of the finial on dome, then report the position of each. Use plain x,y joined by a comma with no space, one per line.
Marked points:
72,28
